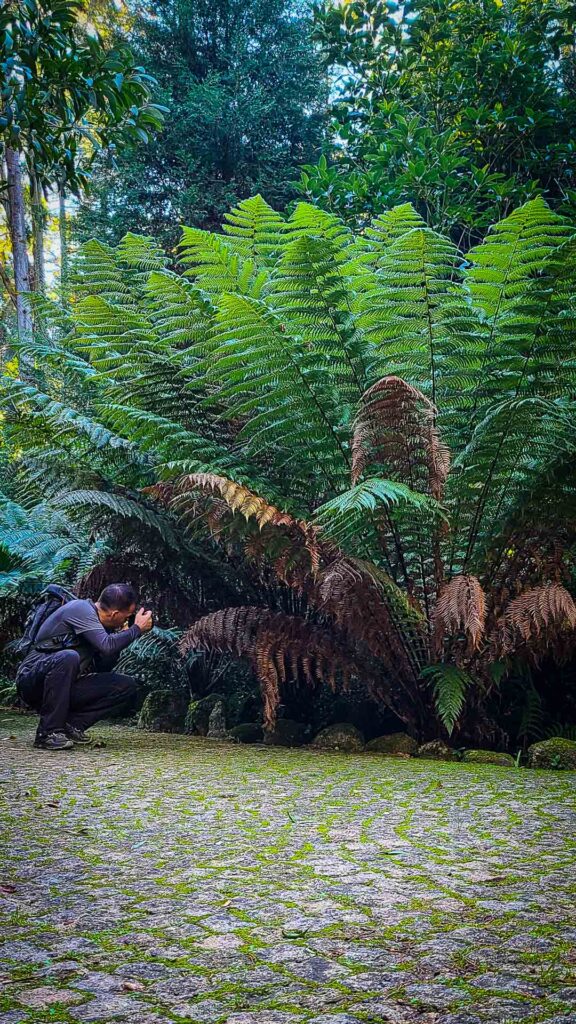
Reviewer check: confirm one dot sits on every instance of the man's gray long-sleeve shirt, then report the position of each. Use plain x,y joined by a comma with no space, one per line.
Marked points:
76,626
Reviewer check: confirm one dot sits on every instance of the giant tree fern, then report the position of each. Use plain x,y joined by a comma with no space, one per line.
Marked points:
376,434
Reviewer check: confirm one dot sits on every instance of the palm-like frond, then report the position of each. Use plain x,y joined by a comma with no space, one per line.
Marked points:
415,317
390,226
310,294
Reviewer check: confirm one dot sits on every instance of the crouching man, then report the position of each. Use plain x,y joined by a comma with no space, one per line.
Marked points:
67,676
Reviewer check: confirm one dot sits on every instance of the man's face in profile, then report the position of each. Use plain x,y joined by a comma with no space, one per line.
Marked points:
119,617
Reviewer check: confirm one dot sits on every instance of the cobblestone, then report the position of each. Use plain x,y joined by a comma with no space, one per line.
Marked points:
166,879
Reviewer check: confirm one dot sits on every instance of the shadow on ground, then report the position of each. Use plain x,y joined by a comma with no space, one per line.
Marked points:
167,878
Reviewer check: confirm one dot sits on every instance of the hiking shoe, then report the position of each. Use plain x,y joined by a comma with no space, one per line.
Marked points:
77,735
53,741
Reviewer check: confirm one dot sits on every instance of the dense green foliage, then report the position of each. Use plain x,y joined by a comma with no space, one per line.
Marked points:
247,97
464,109
64,94
289,402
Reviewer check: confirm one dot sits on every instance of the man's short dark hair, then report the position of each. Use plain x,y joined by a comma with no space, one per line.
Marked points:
118,597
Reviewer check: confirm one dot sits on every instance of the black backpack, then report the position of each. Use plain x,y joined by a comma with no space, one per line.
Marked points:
51,598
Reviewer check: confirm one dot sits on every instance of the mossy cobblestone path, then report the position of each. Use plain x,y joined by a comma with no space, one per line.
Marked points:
170,879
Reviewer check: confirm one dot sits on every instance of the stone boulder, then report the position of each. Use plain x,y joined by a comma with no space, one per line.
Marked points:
395,744
286,733
556,752
341,736
436,750
489,757
246,732
162,711
199,712
217,722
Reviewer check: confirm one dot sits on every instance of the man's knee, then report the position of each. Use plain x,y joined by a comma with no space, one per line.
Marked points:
66,661
126,687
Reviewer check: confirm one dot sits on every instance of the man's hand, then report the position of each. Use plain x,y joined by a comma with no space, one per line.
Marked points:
144,620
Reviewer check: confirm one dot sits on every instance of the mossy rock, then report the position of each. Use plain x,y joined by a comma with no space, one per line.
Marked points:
286,733
436,750
557,752
246,732
217,728
162,711
489,757
395,743
198,714
341,736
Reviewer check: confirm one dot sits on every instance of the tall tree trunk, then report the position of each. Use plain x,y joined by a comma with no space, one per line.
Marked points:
38,226
64,264
17,229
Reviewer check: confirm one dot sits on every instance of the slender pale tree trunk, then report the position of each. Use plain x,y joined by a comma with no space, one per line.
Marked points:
17,229
38,228
62,226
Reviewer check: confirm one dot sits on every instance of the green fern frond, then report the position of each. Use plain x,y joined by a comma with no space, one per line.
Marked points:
389,226
417,322
122,507
43,354
42,539
30,401
106,331
255,231
35,403
16,581
216,266
345,517
567,730
511,254
162,437
141,252
450,685
275,385
183,315
311,220
311,297
96,272
507,457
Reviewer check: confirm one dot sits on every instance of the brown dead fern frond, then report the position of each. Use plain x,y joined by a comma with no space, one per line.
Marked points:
395,426
374,612
237,497
279,647
535,620
216,500
461,608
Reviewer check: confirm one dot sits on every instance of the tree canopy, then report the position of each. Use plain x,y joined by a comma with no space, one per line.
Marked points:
464,109
247,98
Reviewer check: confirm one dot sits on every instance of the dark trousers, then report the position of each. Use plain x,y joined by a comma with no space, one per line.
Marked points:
52,685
